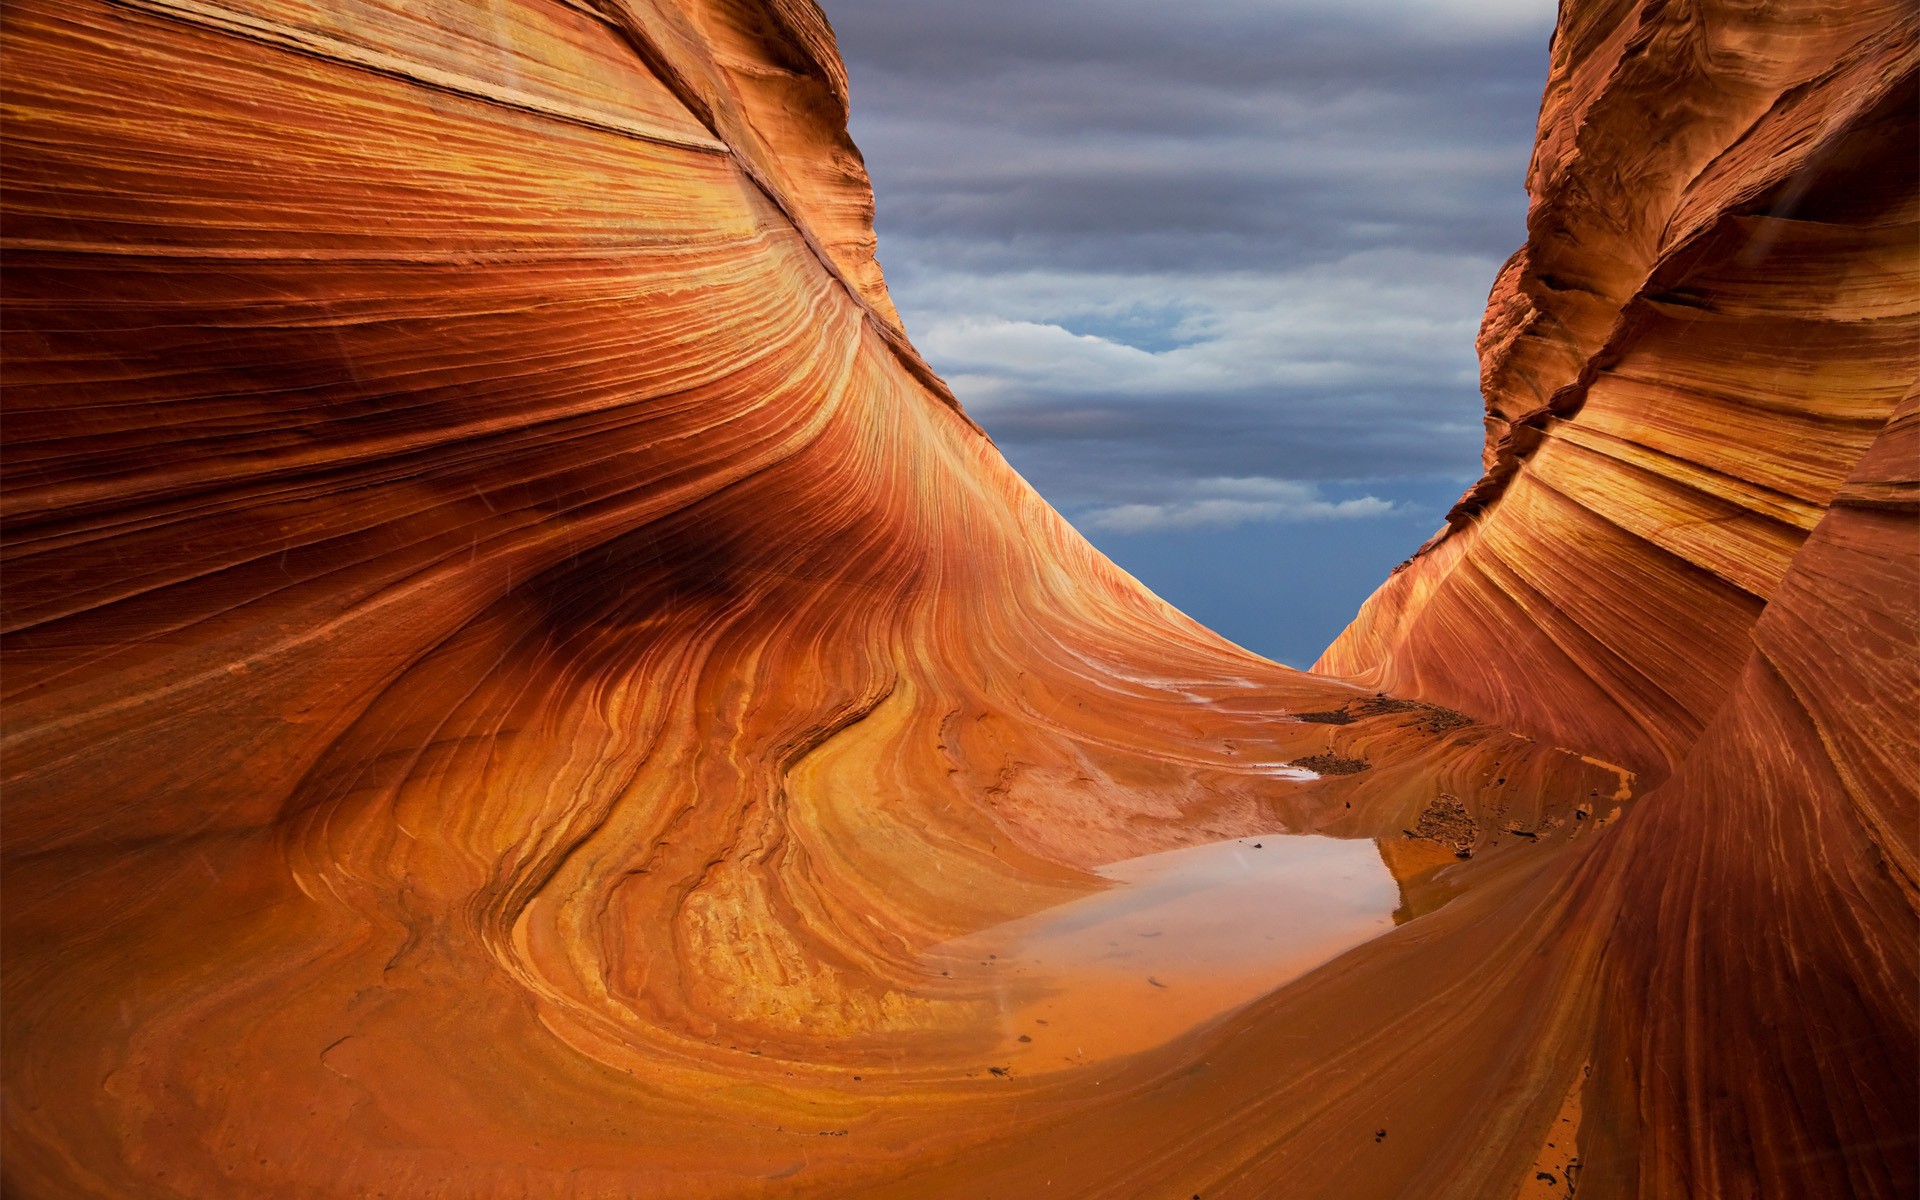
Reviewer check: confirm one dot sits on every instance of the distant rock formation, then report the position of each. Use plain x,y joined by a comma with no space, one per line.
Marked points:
512,661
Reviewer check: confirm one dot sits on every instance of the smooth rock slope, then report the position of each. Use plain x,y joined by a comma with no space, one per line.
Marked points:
1695,551
514,668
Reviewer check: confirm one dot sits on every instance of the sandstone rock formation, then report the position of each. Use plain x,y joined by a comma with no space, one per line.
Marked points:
1695,551
513,663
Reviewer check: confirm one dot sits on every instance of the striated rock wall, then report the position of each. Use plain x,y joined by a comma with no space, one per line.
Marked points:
511,661
1769,890
1695,549
1712,319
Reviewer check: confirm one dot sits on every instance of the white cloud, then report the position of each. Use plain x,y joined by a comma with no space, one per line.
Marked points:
1223,502
1378,319
1244,237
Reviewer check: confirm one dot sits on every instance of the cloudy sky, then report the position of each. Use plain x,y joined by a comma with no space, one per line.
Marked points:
1209,272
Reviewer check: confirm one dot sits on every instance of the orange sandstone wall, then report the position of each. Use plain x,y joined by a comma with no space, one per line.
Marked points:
511,660
1770,896
1695,549
1714,315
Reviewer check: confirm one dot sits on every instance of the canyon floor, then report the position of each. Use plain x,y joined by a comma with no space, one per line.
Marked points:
518,679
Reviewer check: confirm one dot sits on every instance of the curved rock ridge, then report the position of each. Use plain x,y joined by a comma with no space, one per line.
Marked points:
514,670
1703,334
1795,820
1695,550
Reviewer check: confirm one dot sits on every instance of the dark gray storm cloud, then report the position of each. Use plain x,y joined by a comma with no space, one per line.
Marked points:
1100,131
1216,264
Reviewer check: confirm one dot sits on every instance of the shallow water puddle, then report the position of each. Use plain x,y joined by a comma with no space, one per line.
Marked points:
1188,935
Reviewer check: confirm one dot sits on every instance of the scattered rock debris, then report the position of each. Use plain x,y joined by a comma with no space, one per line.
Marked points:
1332,764
1380,703
1000,1071
1431,718
1436,720
1445,821
1336,716
1379,1135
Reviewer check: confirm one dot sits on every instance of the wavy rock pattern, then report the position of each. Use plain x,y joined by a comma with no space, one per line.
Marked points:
1695,550
512,661
1702,336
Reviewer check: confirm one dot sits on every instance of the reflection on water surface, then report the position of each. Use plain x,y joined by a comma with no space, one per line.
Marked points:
1185,936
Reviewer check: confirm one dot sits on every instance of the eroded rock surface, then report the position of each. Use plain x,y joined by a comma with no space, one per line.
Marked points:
513,662
1695,552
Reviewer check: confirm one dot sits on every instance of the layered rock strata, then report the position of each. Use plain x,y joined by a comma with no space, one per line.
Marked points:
513,666
1695,550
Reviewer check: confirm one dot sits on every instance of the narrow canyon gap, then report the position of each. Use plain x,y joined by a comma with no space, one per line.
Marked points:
517,675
